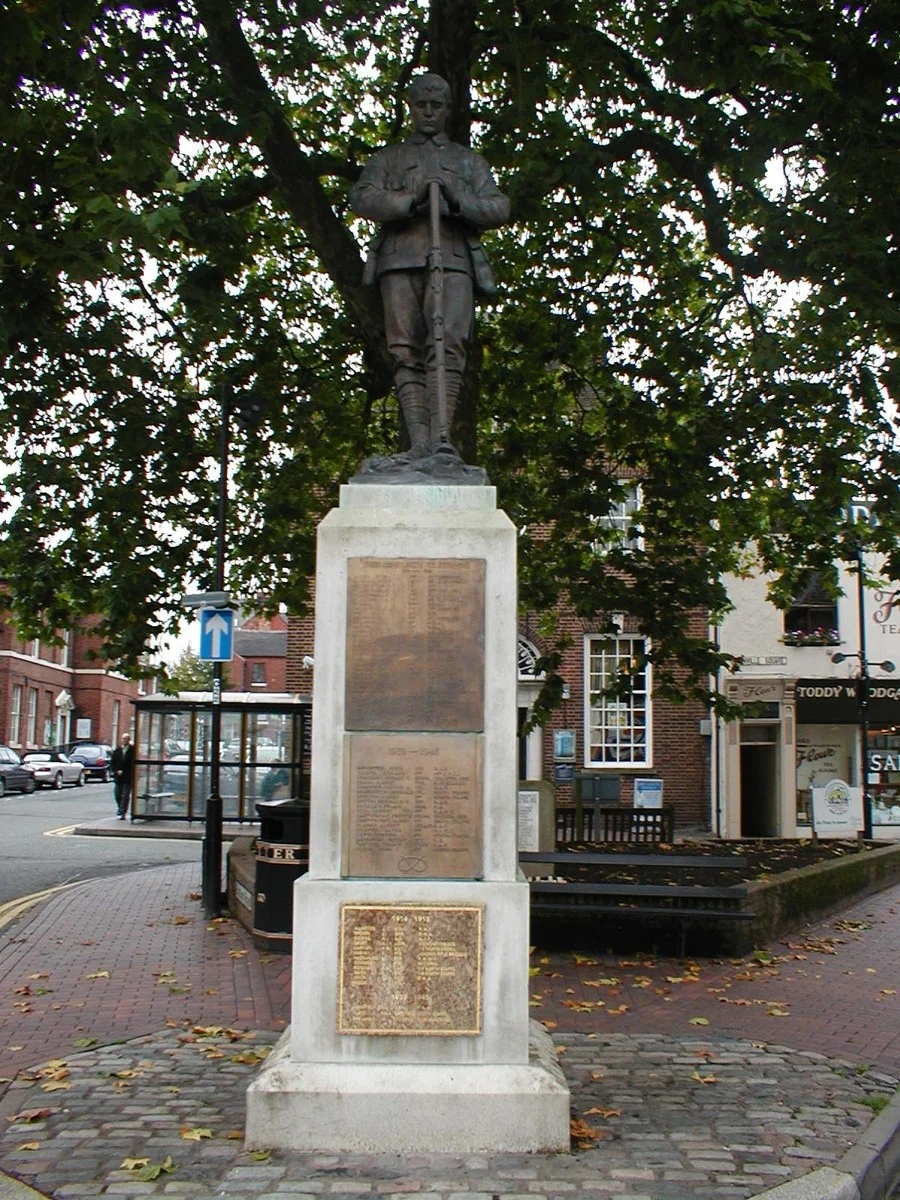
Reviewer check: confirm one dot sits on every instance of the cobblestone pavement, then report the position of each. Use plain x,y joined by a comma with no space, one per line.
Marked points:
130,1028
659,1116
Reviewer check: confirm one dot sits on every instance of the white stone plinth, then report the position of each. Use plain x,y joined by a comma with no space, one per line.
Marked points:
491,1080
405,1108
504,984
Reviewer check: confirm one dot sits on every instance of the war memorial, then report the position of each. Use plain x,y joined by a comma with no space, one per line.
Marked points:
410,1026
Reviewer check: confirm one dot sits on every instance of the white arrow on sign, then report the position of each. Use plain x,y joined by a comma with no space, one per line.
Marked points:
216,629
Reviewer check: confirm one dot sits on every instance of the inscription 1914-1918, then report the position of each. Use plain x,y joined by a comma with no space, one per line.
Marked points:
412,805
403,616
410,969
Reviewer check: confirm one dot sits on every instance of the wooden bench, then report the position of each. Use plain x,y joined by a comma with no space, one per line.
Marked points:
571,883
616,823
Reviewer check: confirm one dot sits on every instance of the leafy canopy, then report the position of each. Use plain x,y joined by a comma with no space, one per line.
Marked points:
699,285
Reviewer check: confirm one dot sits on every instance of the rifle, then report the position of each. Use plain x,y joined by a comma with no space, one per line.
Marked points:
436,267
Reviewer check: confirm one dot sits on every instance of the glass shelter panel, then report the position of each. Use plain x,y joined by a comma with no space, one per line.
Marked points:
263,755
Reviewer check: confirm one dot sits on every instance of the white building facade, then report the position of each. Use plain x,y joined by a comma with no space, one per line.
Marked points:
805,728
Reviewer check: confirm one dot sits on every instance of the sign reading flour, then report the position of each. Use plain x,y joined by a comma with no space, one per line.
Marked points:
837,809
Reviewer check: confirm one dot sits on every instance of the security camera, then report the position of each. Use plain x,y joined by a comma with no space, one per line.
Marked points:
308,662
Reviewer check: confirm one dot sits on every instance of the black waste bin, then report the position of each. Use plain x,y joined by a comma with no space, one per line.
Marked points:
282,855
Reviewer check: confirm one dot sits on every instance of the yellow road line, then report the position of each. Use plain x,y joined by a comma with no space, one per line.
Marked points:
63,831
14,908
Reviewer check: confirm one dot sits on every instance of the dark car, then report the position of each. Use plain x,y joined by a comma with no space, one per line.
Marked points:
15,776
96,757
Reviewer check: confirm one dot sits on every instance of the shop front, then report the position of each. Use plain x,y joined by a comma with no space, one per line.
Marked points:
803,734
829,746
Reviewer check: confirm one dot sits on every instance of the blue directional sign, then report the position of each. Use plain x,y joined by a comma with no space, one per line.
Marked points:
216,634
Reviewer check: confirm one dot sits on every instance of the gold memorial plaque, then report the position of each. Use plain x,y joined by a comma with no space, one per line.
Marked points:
412,806
410,969
415,644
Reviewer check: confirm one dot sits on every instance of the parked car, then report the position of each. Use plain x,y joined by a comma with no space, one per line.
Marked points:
54,768
15,776
95,757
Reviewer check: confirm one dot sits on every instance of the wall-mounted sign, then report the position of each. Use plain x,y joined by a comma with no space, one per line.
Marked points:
837,809
834,702
564,745
648,793
83,727
563,772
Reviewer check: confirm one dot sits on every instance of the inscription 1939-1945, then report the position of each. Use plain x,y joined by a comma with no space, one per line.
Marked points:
412,805
403,616
410,969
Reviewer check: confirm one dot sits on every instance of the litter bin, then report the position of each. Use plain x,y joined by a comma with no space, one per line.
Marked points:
282,855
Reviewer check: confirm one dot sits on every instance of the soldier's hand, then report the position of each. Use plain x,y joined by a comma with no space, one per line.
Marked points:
450,194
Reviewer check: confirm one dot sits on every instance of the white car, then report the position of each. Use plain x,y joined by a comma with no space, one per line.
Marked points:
53,768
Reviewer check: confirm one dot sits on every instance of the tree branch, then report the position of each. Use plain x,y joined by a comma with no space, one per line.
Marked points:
260,110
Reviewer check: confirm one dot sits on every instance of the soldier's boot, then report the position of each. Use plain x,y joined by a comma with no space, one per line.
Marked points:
454,381
414,404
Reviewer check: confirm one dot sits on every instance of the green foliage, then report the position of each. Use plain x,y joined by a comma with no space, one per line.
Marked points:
699,284
190,673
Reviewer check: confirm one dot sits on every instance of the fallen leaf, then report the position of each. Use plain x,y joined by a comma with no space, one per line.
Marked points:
698,1078
698,1021
237,953
83,1042
154,1170
30,1146
234,1135
29,1115
39,975
195,1135
605,1113
98,975
561,1049
181,920
132,1164
260,1155
55,1086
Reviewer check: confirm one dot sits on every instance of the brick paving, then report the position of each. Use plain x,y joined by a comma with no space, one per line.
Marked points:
128,1020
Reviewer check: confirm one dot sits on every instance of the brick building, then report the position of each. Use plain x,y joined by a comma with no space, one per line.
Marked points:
50,695
260,655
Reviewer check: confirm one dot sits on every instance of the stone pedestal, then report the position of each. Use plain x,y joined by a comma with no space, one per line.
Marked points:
410,1025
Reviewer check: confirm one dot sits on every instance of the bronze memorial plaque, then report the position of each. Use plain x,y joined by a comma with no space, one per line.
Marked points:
410,969
415,644
412,805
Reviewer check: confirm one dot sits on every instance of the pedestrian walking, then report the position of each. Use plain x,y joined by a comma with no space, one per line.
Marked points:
123,769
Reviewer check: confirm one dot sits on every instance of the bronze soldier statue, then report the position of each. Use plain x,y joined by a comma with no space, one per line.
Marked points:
429,272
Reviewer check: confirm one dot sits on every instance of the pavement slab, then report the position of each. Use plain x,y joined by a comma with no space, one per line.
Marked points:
131,1026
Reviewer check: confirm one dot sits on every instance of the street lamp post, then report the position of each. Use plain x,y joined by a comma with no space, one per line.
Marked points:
249,414
212,840
862,690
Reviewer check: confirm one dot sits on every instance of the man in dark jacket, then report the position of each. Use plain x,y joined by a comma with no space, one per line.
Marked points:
123,769
394,190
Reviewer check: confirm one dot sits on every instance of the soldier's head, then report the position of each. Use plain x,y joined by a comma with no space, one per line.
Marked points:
429,103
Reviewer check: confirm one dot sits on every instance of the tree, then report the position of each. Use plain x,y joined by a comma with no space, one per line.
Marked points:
699,283
190,673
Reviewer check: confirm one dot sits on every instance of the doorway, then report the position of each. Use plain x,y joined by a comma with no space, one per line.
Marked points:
759,790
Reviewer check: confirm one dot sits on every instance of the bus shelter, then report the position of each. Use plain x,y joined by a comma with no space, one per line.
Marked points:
264,754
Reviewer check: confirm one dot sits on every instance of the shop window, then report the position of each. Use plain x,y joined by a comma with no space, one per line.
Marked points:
812,619
617,723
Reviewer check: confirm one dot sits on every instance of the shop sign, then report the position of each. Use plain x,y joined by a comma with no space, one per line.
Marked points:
834,702
837,809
